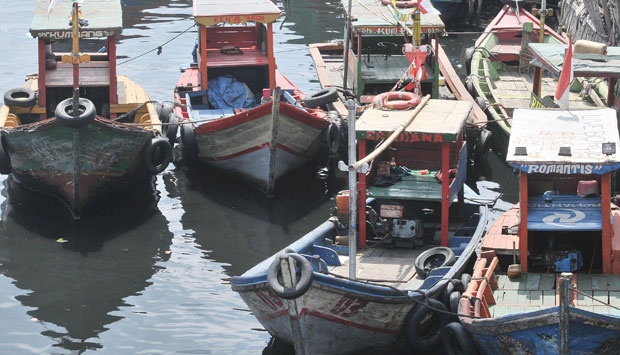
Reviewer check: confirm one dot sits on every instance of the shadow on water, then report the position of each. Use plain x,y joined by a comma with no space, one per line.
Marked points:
237,224
76,272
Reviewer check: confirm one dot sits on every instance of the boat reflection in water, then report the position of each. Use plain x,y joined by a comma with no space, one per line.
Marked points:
75,273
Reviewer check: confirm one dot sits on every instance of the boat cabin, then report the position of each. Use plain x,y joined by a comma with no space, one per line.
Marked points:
377,58
60,70
425,165
235,40
566,221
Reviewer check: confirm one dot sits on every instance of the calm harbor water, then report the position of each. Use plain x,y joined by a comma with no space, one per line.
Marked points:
147,271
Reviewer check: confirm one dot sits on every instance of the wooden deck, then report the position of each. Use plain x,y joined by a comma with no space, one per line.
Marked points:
535,291
512,88
385,265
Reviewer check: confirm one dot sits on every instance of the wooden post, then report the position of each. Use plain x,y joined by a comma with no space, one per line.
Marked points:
523,242
287,265
445,192
565,280
607,232
273,142
271,56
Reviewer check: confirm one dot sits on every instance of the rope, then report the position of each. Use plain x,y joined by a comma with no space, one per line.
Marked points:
597,300
158,48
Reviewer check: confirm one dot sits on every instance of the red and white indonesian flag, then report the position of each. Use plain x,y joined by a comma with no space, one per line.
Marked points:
426,7
566,77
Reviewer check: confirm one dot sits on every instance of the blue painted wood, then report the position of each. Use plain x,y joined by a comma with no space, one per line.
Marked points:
564,213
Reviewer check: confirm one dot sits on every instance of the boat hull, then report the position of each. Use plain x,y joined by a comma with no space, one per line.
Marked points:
76,165
248,146
338,315
539,333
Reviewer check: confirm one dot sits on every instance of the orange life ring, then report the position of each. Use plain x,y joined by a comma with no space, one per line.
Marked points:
397,100
403,4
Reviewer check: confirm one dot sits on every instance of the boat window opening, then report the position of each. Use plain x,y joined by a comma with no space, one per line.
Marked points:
255,77
555,252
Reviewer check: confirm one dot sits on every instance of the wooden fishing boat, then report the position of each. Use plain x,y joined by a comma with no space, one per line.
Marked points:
384,49
238,112
76,129
392,50
548,278
501,74
369,280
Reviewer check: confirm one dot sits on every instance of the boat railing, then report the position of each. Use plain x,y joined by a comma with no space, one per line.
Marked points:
479,294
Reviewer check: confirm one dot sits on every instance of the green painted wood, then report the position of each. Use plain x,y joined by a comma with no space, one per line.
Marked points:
536,298
413,187
584,300
547,282
599,282
613,282
584,282
549,298
532,281
601,297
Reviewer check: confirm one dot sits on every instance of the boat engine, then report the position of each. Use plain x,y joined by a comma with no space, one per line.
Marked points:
558,260
403,231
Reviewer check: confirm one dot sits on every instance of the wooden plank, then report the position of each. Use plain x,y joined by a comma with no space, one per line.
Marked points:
613,282
547,282
549,298
454,82
584,282
536,297
91,74
599,282
601,296
532,281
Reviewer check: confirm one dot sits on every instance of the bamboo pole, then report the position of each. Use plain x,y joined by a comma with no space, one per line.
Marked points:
383,146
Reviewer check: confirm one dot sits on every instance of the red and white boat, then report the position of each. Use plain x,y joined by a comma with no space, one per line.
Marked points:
238,112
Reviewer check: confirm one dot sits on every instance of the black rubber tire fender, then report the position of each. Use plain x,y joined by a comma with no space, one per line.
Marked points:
20,97
303,283
86,113
322,97
481,102
158,155
469,85
424,324
188,138
5,159
481,149
166,109
469,54
465,279
433,258
444,296
453,305
333,138
456,340
172,127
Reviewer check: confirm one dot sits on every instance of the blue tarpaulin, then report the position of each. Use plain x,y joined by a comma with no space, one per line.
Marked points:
226,92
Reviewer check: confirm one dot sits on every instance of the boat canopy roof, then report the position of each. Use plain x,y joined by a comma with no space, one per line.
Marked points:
371,17
209,12
551,141
551,57
105,18
438,121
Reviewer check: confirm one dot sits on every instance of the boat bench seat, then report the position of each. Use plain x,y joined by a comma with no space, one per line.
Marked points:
506,48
